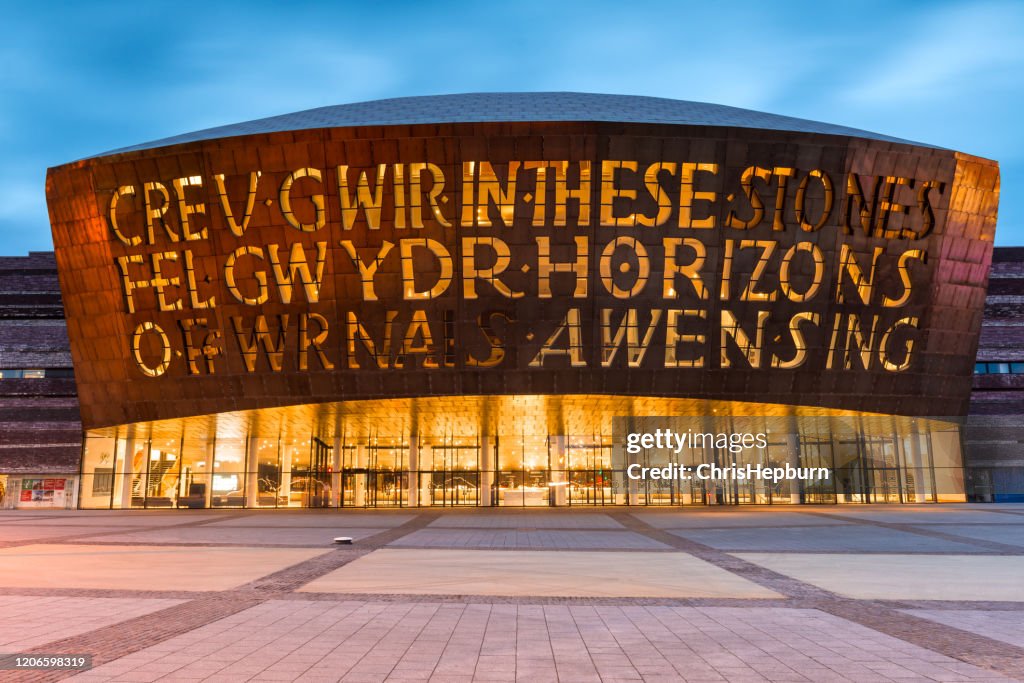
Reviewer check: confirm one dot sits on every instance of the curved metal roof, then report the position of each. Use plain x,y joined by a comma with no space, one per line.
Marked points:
516,107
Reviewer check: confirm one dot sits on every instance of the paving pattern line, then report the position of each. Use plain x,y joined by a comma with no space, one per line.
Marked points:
72,538
780,583
795,603
118,640
1001,548
971,648
968,647
535,600
184,544
882,616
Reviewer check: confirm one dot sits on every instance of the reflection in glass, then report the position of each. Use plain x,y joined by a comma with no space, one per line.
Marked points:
871,459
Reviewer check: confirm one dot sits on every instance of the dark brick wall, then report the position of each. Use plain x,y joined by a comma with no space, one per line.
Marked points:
40,426
1002,336
994,438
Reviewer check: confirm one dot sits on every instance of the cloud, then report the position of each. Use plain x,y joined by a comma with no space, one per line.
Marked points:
222,89
951,51
79,79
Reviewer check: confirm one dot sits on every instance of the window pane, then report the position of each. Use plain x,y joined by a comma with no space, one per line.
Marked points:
980,369
98,472
194,485
227,483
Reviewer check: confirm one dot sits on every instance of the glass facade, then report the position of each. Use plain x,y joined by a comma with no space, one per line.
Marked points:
256,460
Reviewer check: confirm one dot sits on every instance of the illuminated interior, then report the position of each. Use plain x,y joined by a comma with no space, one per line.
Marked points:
512,451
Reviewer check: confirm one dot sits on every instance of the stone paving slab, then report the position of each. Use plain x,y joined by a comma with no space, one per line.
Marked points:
922,514
528,519
847,538
689,519
903,577
30,532
135,518
539,539
1001,533
250,536
287,519
1007,626
142,567
535,573
31,621
411,614
367,641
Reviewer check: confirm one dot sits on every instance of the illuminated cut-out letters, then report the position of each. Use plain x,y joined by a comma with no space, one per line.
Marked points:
767,266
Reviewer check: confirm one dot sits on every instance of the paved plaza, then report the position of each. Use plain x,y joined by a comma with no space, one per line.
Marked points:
783,593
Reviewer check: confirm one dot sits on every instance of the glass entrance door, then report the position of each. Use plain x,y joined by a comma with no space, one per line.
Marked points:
884,475
318,478
387,482
524,475
455,472
588,461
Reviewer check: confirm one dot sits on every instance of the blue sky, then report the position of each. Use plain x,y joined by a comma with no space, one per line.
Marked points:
88,77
